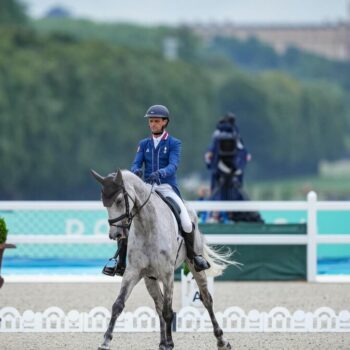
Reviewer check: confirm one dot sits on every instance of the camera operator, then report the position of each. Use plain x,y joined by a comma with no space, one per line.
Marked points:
227,158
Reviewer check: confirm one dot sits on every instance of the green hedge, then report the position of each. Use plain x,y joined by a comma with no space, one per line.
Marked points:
3,231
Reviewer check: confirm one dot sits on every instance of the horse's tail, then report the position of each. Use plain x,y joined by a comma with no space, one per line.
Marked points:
219,259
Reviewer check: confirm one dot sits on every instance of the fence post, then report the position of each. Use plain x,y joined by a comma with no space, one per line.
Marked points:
311,237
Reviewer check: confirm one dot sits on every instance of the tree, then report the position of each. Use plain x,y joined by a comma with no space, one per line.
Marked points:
12,12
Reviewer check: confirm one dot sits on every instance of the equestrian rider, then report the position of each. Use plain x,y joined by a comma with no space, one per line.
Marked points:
159,155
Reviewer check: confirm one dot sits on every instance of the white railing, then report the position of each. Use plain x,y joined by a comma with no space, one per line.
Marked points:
188,319
311,239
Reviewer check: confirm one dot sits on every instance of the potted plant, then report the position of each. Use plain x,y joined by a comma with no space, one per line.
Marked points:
3,244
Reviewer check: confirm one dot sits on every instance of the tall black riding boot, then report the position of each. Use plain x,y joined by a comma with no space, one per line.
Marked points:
114,266
198,261
123,243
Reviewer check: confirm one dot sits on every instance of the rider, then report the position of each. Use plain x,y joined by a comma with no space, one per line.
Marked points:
160,156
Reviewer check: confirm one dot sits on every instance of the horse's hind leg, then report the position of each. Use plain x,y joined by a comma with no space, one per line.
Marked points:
155,292
207,301
130,279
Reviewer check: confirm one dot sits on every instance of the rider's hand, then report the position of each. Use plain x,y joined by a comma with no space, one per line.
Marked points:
154,178
236,182
138,172
208,157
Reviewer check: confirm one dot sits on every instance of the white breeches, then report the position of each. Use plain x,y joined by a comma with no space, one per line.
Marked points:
167,191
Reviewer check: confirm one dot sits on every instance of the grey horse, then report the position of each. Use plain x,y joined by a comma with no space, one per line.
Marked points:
155,250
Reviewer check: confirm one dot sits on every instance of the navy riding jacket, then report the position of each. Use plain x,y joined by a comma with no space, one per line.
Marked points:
165,158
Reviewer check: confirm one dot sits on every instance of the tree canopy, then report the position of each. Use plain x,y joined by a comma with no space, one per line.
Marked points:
70,102
12,13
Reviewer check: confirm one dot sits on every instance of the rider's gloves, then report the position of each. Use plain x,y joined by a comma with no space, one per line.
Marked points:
138,172
236,182
154,178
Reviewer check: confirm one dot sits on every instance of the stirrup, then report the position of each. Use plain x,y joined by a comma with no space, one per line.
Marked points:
200,263
113,268
110,267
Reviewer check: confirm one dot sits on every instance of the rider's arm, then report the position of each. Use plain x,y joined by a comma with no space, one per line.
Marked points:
174,159
139,158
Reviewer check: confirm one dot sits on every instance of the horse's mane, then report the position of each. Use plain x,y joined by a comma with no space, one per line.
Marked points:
136,183
130,177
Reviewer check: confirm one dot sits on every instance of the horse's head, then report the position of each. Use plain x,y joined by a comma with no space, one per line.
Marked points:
116,199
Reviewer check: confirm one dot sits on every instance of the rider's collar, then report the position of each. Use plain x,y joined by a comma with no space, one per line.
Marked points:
160,136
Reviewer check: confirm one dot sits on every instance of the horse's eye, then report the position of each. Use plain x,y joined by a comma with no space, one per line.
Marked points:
118,202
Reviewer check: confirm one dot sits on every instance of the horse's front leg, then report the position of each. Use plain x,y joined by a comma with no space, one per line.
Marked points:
129,281
156,293
168,313
207,301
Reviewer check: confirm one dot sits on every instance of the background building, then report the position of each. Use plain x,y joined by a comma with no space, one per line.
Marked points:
331,40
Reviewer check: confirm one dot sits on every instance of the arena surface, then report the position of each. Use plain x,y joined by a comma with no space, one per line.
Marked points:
262,296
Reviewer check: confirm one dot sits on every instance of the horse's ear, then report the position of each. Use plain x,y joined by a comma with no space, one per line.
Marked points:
97,176
118,178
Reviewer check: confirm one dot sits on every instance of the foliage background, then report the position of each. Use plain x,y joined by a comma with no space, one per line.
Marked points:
73,94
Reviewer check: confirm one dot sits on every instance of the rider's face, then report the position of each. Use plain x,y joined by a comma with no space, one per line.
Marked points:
156,124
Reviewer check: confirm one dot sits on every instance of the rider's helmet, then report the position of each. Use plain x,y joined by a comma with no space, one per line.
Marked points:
157,111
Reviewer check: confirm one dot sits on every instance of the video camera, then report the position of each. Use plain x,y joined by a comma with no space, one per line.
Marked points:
227,147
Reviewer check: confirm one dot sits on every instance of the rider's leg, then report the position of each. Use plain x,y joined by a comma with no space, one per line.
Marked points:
198,261
123,245
188,229
114,266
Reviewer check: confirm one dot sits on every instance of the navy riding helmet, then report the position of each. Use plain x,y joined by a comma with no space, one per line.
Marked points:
157,111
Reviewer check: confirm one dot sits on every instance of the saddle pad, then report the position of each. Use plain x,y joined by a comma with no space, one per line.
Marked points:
174,208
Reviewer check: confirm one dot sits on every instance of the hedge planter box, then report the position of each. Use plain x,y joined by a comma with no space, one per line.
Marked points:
2,250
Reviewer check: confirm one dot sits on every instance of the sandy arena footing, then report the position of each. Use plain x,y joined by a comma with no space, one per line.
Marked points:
262,296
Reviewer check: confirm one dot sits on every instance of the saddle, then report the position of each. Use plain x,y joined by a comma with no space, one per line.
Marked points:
174,208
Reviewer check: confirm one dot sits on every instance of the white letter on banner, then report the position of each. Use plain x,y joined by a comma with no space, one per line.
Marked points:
101,227
74,227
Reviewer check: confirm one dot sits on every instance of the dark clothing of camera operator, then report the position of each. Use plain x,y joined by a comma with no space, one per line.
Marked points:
227,158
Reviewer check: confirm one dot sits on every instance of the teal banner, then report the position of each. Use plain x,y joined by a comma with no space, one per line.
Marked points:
94,222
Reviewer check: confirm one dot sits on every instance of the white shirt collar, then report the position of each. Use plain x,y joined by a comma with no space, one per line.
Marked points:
156,140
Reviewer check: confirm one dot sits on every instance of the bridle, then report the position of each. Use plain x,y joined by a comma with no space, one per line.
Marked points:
128,215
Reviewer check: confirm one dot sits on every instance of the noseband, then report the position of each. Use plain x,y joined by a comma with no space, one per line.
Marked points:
128,215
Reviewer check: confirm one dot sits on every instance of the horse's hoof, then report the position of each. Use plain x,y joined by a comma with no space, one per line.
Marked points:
103,347
226,346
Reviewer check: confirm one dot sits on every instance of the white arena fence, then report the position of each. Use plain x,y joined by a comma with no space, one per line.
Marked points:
188,319
41,224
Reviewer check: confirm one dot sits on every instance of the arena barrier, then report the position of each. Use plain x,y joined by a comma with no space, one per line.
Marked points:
188,319
76,232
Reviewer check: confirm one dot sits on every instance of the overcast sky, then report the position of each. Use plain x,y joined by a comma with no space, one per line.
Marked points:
185,11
